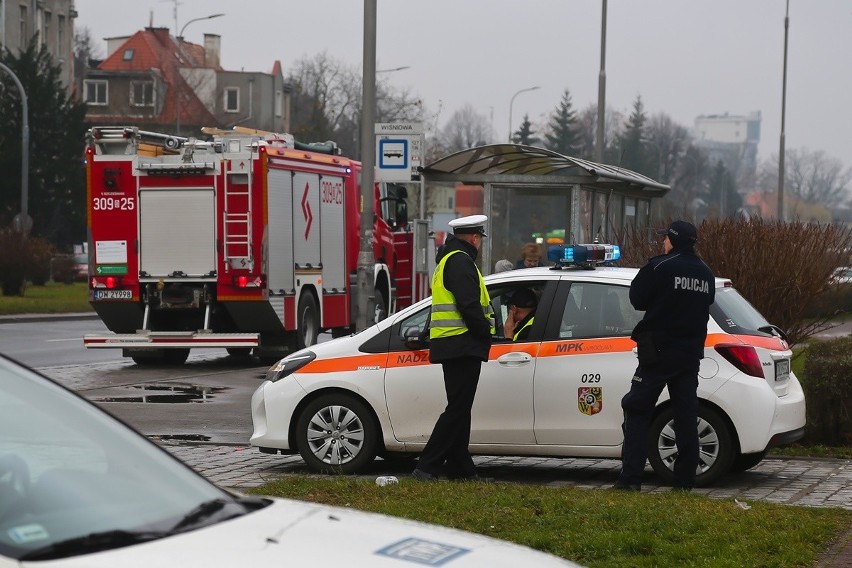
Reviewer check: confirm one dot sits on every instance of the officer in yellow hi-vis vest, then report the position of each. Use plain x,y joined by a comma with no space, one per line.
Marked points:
460,331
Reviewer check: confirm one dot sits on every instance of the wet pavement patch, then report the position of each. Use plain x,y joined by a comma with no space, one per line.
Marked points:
184,437
165,394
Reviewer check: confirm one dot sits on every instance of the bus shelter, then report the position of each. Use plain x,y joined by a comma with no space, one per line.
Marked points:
535,195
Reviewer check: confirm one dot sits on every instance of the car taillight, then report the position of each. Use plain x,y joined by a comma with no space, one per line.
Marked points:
249,281
743,357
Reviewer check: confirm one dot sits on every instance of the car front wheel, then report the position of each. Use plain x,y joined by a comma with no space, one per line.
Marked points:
336,433
715,446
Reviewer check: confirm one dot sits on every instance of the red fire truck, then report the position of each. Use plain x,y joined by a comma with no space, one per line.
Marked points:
246,241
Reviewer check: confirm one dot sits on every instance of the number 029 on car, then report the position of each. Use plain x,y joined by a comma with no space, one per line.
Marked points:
113,295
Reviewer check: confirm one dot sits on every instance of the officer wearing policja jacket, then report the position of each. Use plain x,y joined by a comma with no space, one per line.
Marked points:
460,330
675,290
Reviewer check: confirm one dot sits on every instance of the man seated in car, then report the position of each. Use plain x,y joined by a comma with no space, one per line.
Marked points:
522,304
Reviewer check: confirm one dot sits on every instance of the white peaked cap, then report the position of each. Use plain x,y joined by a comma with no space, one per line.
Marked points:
472,224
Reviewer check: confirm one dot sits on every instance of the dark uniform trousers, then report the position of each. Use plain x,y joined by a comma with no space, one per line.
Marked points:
451,436
680,374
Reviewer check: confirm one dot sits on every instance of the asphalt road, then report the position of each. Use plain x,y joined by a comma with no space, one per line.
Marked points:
42,342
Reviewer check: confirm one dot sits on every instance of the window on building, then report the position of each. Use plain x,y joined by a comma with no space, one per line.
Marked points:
279,104
96,92
45,32
232,99
60,36
24,33
141,93
128,54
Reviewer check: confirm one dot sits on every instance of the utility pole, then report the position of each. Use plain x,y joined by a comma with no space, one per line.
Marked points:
599,143
365,279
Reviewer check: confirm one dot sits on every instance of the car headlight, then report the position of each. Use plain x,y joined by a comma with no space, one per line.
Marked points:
289,364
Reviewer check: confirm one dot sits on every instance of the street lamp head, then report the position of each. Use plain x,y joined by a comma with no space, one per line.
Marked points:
393,69
512,102
210,17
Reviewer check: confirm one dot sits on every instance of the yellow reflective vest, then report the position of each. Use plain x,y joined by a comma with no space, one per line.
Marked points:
526,325
446,319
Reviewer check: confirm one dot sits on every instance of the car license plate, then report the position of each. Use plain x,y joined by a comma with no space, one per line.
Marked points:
782,370
113,294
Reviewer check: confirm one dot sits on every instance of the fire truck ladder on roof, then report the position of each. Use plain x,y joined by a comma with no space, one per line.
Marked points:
237,215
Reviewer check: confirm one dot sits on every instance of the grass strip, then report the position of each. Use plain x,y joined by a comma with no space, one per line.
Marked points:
52,298
596,528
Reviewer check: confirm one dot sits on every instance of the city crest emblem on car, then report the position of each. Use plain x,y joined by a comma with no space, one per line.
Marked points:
590,400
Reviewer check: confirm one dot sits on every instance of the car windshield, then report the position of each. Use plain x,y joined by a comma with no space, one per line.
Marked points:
69,470
735,315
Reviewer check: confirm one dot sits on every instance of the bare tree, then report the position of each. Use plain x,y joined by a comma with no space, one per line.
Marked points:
811,177
327,101
667,140
587,121
466,128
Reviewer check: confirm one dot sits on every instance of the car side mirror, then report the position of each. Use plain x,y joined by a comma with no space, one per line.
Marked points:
414,338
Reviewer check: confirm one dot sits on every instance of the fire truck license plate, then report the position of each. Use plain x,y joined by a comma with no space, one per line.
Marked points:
113,295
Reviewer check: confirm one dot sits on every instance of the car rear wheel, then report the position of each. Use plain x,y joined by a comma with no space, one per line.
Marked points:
715,446
336,433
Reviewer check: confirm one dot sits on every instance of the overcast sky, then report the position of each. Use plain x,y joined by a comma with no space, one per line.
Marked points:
684,57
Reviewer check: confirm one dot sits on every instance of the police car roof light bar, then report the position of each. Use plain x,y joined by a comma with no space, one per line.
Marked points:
586,256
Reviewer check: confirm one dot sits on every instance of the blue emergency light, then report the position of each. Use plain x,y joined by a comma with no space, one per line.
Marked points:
584,255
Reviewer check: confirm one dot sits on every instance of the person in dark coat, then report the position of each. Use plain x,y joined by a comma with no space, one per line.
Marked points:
460,330
530,256
675,290
522,305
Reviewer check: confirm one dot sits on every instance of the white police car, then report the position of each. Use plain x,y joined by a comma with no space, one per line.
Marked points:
558,394
79,488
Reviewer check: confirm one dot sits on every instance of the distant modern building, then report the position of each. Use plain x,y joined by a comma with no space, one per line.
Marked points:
162,83
52,21
734,140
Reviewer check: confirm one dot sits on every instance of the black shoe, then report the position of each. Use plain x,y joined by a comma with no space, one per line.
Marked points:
622,486
421,475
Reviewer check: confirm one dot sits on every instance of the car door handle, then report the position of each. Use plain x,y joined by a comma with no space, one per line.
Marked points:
514,359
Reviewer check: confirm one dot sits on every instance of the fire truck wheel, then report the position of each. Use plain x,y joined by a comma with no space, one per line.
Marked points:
307,319
337,433
239,352
175,356
381,310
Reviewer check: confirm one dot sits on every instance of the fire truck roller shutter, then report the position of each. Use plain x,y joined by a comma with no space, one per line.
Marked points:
306,220
177,231
333,234
280,203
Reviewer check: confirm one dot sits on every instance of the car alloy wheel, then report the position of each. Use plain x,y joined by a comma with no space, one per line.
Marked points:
715,446
336,433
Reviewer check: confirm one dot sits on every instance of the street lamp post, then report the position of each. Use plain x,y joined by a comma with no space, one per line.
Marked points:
177,68
25,148
512,102
783,108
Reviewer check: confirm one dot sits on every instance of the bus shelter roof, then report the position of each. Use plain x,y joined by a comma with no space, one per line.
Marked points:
517,163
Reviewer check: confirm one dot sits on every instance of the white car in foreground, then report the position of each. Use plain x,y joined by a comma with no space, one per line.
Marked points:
342,403
78,488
